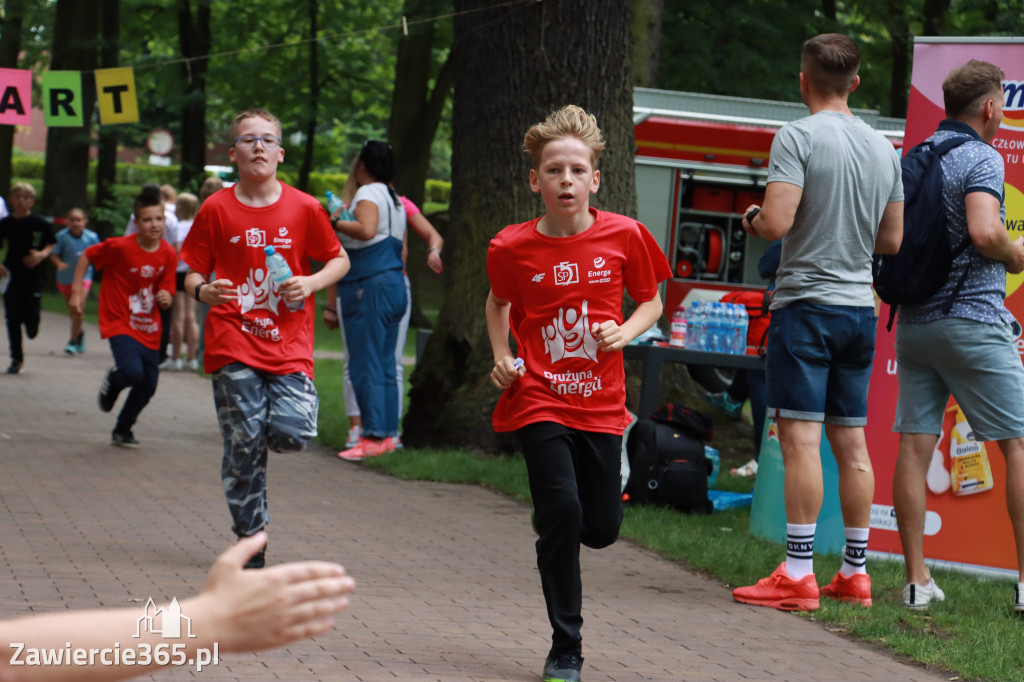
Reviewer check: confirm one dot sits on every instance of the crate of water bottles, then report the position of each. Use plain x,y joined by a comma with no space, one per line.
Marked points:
713,326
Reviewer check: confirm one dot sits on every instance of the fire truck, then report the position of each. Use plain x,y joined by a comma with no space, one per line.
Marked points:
700,161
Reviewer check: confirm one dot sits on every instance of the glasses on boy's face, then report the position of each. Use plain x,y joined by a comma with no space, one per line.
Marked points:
249,141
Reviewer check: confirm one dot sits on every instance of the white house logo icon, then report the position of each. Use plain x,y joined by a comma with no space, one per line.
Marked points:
170,626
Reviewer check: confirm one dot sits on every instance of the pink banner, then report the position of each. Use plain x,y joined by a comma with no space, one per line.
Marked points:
15,97
967,522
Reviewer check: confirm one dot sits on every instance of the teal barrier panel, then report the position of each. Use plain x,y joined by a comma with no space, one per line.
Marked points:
768,511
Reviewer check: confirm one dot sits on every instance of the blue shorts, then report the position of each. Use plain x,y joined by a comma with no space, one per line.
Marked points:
819,362
975,361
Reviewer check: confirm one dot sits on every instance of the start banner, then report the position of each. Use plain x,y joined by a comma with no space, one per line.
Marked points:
966,523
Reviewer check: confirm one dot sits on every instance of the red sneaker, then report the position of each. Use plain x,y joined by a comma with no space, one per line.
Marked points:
368,448
855,589
781,592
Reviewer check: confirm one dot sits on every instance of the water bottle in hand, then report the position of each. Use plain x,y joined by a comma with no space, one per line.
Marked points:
279,272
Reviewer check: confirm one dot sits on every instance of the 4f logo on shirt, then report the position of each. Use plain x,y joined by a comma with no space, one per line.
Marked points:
539,277
567,273
255,237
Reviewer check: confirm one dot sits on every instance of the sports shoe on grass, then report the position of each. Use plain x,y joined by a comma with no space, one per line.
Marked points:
368,448
917,597
722,401
855,589
564,668
354,434
108,395
123,439
748,470
779,591
1018,601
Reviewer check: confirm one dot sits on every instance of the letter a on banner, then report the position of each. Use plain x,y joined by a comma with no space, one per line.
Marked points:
115,90
15,97
62,99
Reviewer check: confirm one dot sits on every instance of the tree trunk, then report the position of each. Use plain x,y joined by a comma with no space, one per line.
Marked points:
314,78
106,161
935,17
416,108
513,65
195,40
899,33
67,149
647,20
10,47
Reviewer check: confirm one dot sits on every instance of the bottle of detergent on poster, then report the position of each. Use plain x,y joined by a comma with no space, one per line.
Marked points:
970,470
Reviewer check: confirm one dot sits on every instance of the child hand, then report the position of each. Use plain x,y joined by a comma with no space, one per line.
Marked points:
219,291
250,610
608,335
505,372
297,288
164,299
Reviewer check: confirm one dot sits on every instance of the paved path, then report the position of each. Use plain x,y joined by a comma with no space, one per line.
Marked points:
447,586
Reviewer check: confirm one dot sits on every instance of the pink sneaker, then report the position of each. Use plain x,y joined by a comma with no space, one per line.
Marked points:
856,589
368,448
781,592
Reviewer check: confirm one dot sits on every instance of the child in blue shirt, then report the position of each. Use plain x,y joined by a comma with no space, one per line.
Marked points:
71,242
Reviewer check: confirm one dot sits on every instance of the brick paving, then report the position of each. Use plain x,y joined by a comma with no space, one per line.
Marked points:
447,586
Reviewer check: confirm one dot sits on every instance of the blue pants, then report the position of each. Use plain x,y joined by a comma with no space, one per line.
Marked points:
257,412
372,311
135,367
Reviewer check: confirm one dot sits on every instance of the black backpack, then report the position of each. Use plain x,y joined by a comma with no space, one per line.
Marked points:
667,463
921,267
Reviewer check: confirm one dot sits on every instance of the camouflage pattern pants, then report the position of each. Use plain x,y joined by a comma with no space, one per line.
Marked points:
258,411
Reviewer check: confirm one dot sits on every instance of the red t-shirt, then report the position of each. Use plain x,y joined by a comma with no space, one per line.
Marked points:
228,238
131,278
558,288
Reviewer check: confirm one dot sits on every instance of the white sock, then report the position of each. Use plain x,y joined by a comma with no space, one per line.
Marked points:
855,553
800,549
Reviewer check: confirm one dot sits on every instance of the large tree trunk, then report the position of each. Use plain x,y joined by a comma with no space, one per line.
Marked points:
513,65
900,46
10,47
67,149
195,40
647,20
106,157
416,108
934,23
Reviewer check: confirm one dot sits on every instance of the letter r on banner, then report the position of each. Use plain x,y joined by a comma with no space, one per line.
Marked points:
115,90
15,97
62,99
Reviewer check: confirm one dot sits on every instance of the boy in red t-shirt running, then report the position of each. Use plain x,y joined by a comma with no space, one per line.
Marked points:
138,277
557,283
259,341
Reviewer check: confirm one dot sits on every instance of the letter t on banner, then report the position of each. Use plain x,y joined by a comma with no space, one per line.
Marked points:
115,90
15,97
62,99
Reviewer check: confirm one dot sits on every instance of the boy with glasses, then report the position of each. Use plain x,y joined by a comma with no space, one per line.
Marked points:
259,352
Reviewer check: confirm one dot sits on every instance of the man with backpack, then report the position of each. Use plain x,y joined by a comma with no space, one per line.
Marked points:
834,193
960,340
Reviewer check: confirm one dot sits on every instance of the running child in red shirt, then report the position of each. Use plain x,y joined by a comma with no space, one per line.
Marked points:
138,279
259,341
556,284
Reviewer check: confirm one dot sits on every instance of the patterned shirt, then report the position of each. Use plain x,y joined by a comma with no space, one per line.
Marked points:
972,167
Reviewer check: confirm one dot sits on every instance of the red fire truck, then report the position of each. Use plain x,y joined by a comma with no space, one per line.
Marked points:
700,161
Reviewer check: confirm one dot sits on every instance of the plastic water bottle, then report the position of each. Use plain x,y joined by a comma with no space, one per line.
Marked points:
678,334
705,326
744,324
277,268
694,331
334,202
717,328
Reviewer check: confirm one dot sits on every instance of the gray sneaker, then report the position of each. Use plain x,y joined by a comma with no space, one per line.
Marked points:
917,597
564,668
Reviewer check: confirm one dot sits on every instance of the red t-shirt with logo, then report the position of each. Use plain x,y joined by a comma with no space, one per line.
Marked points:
558,287
131,278
228,238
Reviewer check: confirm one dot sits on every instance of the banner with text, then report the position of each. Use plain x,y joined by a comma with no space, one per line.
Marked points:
62,97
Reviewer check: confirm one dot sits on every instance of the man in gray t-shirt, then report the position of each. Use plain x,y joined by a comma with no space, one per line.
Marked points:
836,196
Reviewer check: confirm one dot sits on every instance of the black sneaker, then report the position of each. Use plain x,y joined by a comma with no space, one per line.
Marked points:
258,560
564,668
123,439
14,367
108,395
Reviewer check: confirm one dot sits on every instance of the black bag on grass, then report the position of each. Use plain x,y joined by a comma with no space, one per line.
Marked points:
667,467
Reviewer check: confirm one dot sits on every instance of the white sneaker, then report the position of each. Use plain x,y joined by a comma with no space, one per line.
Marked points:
192,365
918,597
354,434
179,364
166,364
1018,602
